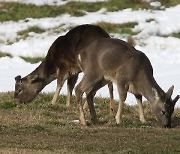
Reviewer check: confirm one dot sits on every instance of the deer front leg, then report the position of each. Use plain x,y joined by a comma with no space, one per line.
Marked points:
141,111
60,81
58,88
122,97
111,105
70,85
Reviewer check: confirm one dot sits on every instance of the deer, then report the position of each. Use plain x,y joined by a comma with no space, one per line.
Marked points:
60,63
113,60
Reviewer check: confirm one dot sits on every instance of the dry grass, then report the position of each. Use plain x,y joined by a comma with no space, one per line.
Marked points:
38,127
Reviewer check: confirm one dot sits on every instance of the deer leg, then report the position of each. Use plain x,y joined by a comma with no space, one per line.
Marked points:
58,88
70,85
79,92
90,95
141,111
86,83
122,97
90,104
111,105
85,106
60,81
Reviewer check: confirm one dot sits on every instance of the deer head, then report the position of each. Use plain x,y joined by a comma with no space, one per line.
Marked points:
163,108
28,87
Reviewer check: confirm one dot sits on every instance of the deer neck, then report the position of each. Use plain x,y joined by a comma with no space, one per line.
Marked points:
46,71
153,92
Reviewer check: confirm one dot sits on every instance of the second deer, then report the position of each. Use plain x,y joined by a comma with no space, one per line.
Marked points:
112,60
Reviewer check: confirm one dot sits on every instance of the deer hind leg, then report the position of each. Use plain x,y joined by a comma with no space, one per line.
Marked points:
122,97
85,106
60,81
111,105
141,111
79,92
70,85
86,83
90,95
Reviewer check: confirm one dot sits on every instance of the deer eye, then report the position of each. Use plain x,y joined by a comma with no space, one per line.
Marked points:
163,112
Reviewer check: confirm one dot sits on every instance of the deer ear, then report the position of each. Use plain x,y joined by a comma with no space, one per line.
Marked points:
175,100
169,92
18,78
35,78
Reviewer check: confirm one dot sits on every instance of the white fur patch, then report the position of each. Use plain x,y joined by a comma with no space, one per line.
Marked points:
156,96
79,58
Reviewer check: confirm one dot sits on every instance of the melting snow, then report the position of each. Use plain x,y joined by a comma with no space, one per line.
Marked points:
163,52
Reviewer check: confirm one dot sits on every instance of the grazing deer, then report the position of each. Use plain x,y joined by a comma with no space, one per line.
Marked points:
61,64
111,60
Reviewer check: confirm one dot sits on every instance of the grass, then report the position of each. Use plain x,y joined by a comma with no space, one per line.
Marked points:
39,127
17,11
2,54
32,60
27,59
177,35
125,28
25,33
169,3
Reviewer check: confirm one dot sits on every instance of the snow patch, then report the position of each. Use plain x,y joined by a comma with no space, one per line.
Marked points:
49,2
163,52
155,4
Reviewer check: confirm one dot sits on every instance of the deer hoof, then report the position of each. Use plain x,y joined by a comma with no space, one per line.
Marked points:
94,121
53,103
83,122
143,120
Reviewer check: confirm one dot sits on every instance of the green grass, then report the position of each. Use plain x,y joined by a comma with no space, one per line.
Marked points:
39,127
17,11
125,28
177,35
150,20
111,5
2,54
25,33
27,59
32,60
169,3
